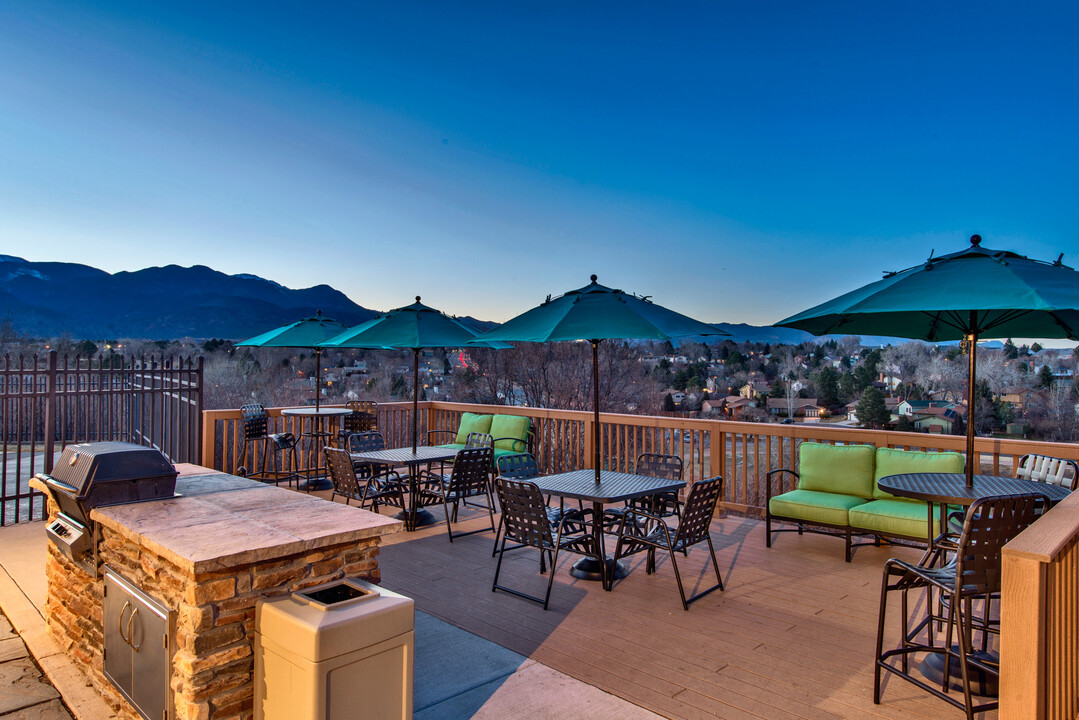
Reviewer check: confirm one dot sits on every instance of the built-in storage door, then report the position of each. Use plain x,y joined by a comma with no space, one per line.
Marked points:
138,659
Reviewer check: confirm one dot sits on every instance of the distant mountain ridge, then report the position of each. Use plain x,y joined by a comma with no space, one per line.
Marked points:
47,299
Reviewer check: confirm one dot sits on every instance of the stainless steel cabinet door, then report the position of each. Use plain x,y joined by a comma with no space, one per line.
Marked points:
138,656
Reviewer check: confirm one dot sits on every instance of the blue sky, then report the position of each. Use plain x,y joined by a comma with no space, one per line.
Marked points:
739,162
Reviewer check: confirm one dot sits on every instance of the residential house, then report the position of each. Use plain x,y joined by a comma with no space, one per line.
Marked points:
803,407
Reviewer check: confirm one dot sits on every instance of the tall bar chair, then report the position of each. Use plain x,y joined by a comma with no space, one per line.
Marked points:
254,424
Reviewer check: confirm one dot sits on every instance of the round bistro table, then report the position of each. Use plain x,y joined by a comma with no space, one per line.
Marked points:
314,438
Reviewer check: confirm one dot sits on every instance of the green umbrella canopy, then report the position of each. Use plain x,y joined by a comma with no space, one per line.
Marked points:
306,333
969,294
986,292
596,312
414,327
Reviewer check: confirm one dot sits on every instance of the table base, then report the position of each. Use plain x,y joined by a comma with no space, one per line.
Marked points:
981,682
588,568
423,517
315,483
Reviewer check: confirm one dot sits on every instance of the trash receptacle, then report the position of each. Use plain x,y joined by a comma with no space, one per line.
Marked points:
337,651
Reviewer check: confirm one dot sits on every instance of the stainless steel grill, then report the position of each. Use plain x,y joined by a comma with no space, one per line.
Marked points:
91,475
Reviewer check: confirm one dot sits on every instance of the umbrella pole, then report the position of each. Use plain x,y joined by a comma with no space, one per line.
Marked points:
415,394
595,407
972,365
318,377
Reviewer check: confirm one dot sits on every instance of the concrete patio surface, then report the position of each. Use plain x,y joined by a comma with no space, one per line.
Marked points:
458,675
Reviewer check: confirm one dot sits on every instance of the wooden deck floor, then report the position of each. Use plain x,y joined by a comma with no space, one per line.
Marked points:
792,635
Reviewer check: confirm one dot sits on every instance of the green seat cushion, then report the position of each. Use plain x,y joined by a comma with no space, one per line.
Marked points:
897,462
814,506
454,446
502,452
842,469
470,423
514,427
895,517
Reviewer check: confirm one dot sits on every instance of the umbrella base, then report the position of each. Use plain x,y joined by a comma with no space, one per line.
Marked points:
315,483
423,518
981,682
588,568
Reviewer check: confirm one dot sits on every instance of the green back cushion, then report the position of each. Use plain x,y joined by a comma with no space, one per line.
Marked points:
511,426
846,469
470,423
897,462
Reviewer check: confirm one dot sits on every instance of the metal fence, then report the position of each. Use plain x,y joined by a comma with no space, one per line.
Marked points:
49,402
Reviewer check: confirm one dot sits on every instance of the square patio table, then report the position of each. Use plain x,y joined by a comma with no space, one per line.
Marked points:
414,518
613,487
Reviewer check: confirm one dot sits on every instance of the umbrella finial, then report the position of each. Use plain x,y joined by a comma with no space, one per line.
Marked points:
417,298
975,240
594,278
1060,260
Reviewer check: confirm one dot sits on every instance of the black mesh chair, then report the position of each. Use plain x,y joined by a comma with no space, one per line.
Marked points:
363,418
521,467
383,489
665,504
526,523
254,424
470,478
973,574
367,442
652,534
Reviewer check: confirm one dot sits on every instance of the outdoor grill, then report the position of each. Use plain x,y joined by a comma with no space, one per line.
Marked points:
91,475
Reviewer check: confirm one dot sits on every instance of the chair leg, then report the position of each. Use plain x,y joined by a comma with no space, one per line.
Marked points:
768,530
848,544
550,577
446,509
498,534
715,563
678,577
498,565
882,611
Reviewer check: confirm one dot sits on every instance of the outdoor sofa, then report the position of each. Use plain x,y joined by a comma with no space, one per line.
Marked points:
512,434
837,491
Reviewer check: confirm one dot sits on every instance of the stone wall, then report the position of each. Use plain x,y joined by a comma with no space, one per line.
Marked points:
213,661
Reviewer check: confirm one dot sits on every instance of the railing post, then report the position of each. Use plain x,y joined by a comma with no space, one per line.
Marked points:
50,411
199,419
1022,629
208,444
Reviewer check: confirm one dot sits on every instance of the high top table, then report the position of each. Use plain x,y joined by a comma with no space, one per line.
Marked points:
613,487
414,517
314,438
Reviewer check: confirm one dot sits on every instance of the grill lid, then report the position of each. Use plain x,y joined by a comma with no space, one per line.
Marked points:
85,465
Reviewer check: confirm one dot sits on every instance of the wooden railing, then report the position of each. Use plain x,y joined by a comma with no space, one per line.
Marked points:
563,441
1039,618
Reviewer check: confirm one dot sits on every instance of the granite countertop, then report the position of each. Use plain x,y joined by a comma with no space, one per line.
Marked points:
222,521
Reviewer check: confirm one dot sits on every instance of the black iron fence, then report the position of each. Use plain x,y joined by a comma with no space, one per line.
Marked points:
49,402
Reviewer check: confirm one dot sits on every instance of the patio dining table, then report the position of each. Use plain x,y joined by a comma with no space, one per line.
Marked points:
613,487
413,517
312,439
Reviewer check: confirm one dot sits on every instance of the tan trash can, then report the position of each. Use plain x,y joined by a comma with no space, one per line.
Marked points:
338,651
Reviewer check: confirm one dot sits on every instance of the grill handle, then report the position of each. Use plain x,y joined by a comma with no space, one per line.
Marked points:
53,482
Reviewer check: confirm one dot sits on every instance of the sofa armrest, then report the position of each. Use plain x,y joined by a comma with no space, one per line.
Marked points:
768,477
451,433
516,442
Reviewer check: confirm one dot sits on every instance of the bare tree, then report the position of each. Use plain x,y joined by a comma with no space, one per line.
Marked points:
905,362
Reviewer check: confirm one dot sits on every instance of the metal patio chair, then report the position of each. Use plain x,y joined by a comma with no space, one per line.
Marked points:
662,505
469,478
382,489
527,522
973,574
254,424
523,466
364,418
635,536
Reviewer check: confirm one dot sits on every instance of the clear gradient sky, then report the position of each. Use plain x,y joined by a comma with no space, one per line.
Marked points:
739,162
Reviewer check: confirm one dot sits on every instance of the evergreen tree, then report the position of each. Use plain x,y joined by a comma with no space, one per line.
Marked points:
1045,377
872,412
827,387
668,403
1011,352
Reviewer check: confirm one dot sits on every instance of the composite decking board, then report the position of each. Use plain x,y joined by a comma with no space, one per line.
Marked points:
792,636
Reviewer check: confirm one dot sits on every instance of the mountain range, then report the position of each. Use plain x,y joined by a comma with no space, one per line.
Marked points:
54,299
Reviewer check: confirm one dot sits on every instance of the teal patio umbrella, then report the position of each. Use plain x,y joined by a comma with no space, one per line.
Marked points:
596,313
412,327
967,295
306,333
